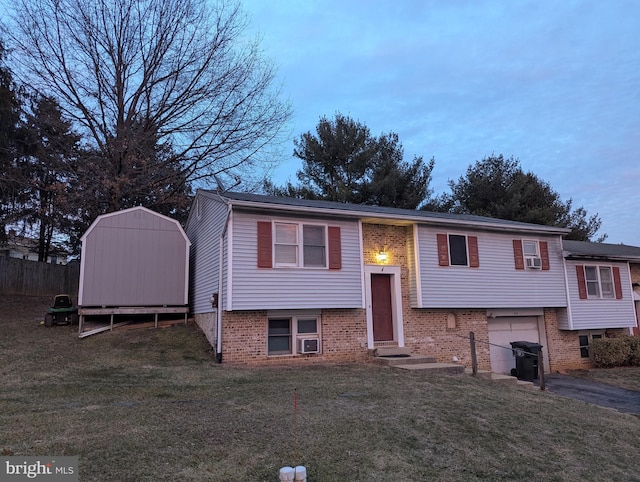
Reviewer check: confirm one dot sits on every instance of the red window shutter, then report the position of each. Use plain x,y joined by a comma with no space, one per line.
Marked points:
335,247
443,249
518,255
544,255
617,283
265,243
582,282
474,258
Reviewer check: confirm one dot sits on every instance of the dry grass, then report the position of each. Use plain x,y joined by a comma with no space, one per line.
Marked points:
149,405
624,377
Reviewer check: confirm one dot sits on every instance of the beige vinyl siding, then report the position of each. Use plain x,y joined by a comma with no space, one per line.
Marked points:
204,231
600,313
292,288
134,257
495,283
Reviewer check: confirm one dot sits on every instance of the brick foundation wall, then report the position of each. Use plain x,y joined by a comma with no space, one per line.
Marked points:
343,338
563,346
427,332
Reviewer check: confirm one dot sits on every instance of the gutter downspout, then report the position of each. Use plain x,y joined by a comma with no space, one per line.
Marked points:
220,284
567,293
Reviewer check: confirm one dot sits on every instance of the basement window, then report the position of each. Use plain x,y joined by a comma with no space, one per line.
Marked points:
286,334
585,341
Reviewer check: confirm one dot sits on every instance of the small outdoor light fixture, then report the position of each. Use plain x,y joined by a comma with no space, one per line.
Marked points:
382,256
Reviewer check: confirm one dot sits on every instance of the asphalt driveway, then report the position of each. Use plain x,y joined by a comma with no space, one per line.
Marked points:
594,392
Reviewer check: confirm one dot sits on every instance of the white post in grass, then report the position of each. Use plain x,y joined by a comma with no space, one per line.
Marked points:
300,473
287,474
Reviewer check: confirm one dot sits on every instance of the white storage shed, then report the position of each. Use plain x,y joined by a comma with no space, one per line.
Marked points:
134,261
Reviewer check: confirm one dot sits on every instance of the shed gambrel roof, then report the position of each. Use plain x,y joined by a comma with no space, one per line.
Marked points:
588,250
377,213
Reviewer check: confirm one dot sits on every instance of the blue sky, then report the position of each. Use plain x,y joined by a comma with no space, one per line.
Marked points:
555,84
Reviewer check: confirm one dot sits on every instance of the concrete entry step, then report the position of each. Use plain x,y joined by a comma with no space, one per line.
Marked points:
500,378
391,351
441,368
395,360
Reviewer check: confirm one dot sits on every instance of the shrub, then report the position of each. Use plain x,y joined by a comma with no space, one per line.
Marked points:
634,357
611,352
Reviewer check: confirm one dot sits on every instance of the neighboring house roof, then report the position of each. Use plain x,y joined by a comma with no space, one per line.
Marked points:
588,250
377,213
24,247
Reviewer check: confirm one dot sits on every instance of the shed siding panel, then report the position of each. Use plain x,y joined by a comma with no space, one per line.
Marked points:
496,283
600,313
134,258
204,233
293,288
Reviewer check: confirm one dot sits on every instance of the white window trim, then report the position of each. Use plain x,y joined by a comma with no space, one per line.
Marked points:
299,264
600,295
295,336
527,256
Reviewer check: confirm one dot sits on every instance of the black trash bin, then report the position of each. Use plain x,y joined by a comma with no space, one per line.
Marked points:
526,353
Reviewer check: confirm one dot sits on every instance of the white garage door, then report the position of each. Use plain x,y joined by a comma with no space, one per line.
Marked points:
502,331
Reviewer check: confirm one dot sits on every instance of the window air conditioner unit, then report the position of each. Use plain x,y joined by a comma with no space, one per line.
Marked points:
534,263
308,345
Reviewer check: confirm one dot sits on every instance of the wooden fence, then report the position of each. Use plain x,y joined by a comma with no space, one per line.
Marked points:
22,277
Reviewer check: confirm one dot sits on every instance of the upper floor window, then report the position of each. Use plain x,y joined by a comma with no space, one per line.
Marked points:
289,251
531,254
458,250
295,245
597,281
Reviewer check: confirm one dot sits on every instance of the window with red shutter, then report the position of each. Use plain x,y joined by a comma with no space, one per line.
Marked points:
443,249
617,282
544,255
335,247
582,282
518,255
265,242
474,258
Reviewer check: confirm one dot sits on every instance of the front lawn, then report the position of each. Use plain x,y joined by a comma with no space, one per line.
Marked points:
151,405
623,377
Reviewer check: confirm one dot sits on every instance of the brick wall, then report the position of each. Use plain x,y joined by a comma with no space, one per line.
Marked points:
343,336
563,347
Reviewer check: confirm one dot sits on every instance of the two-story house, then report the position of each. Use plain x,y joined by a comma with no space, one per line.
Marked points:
280,279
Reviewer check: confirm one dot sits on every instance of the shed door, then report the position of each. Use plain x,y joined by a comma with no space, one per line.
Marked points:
381,307
502,331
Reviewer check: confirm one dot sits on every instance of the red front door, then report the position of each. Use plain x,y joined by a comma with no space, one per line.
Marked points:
381,307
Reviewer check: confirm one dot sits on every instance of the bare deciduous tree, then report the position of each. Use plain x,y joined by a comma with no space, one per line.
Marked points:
177,71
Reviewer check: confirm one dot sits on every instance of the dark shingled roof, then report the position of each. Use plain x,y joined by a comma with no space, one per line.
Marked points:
362,210
585,249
